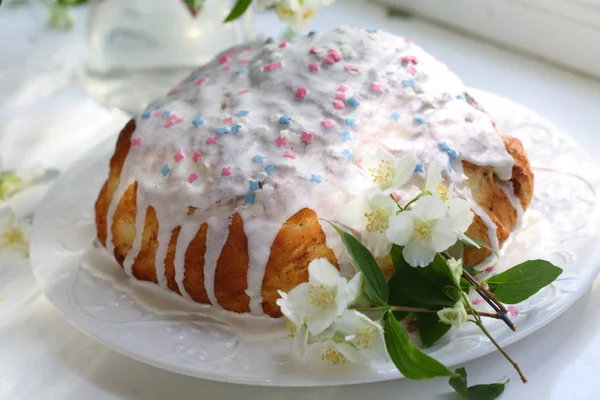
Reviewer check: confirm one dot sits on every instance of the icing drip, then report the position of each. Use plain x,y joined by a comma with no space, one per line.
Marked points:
216,236
187,233
509,190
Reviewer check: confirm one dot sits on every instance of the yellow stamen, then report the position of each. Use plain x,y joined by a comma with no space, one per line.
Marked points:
13,238
334,356
382,175
320,296
291,329
364,338
442,192
423,230
378,221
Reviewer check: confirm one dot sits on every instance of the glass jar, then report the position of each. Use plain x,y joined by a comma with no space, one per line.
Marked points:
138,50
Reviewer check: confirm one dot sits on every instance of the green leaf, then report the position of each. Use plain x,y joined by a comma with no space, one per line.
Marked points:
456,250
479,243
486,392
410,361
376,285
238,9
459,382
71,2
465,285
523,281
431,329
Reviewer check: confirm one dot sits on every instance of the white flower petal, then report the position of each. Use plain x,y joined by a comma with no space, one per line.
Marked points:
322,272
401,228
434,176
13,256
403,168
377,243
349,321
7,218
318,321
355,287
300,341
443,235
459,211
352,354
418,253
428,208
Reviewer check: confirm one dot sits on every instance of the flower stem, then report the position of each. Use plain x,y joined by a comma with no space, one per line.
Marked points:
417,310
370,309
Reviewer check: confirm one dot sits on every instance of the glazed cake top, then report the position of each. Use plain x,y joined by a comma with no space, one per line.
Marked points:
268,129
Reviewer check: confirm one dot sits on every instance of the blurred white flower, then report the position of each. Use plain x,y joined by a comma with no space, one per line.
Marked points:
456,316
334,350
296,13
363,333
435,184
14,237
323,298
424,230
456,267
389,172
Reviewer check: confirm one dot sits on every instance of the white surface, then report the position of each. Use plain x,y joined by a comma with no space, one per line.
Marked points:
92,292
44,357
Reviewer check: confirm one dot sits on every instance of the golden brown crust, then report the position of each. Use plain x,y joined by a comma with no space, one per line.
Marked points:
299,241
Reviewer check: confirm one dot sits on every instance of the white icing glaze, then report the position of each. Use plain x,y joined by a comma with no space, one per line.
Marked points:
509,190
245,113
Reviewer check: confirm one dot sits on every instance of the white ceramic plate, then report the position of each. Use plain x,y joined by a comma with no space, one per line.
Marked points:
92,293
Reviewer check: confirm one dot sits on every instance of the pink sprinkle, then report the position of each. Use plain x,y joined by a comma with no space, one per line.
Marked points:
342,88
228,120
196,156
335,55
280,142
376,87
338,105
407,40
409,60
224,58
436,59
328,60
301,92
307,136
136,142
157,112
489,269
174,91
178,156
289,154
192,178
211,140
168,125
313,50
340,96
173,117
244,91
227,67
314,67
411,70
477,301
396,195
271,67
350,68
512,310
327,123
226,171
178,121
283,44
200,81
245,61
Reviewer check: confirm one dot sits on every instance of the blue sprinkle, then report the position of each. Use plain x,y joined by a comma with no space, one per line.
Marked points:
198,122
270,169
348,154
371,30
223,130
243,113
443,146
166,113
258,159
316,178
250,198
254,185
350,122
408,82
284,120
312,33
158,107
419,167
420,119
462,97
452,154
194,76
353,101
240,71
346,136
165,170
147,114
395,116
236,128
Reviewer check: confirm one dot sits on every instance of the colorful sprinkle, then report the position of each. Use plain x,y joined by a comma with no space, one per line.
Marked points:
353,101
376,87
307,136
198,122
178,157
258,159
289,154
350,122
350,68
157,112
452,154
245,61
409,60
348,154
327,123
314,67
316,178
411,70
314,50
371,30
227,67
285,120
281,142
165,170
147,114
274,66
395,116
346,136
223,130
301,92
254,185
335,55
462,96
338,105
243,113
419,168
244,91
224,58
226,171
408,82
340,96
250,198
136,142
192,178
196,156
166,113
200,81
236,128
328,60
211,140
283,44
168,125
420,118
342,88
227,120
270,169
240,71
